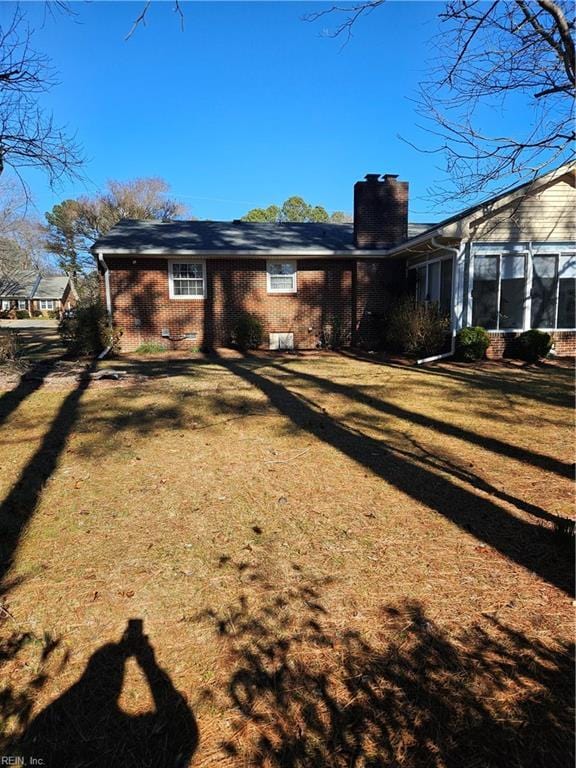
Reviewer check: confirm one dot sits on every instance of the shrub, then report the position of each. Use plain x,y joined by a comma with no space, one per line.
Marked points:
334,334
150,348
36,313
9,347
53,314
472,343
88,331
416,329
248,332
533,345
22,314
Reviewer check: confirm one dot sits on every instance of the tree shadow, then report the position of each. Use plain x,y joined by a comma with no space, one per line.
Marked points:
533,546
20,504
310,692
548,463
85,726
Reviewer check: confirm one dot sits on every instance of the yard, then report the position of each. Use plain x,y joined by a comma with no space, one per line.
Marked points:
336,562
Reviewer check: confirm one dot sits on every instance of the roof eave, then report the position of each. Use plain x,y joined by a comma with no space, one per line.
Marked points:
202,253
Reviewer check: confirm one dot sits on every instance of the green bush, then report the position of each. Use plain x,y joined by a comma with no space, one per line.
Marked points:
150,348
415,329
36,313
22,314
472,343
88,331
248,332
533,345
53,314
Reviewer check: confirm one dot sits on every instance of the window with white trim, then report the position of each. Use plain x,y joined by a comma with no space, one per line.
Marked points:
281,276
5,304
499,291
46,304
434,283
553,291
21,303
186,279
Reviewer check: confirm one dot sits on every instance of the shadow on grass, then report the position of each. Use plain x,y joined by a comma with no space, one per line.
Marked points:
537,548
20,504
85,726
492,444
308,693
530,381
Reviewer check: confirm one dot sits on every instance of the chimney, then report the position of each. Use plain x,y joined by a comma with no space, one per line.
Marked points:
380,211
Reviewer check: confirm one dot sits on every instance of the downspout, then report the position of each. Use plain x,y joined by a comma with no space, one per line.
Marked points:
444,355
108,299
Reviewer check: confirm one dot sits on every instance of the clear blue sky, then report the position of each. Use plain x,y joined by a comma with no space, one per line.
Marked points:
246,106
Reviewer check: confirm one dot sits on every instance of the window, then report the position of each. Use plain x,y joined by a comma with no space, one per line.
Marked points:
553,291
434,283
281,276
5,304
21,303
46,304
499,291
186,279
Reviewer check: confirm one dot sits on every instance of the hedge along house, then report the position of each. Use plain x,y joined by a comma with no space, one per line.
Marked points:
507,264
33,292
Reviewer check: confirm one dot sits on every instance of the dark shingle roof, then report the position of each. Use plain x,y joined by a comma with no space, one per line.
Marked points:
18,285
137,236
28,284
51,287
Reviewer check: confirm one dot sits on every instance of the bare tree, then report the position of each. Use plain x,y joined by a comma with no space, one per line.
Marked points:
28,135
489,54
22,236
73,225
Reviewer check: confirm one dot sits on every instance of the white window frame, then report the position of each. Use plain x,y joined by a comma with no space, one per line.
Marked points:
556,255
46,305
196,297
294,276
528,253
426,263
527,287
22,304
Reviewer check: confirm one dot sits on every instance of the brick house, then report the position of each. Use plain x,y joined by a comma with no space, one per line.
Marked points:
33,292
508,264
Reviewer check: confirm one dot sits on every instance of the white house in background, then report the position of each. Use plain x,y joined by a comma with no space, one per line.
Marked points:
507,264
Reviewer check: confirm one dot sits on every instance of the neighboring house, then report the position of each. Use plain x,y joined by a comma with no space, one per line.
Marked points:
31,291
508,264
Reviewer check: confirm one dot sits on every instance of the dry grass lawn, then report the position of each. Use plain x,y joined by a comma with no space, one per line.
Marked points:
336,562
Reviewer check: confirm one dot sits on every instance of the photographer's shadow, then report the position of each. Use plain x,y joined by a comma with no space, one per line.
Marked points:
86,727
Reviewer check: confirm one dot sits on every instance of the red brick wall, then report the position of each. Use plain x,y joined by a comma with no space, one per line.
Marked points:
380,211
377,283
142,307
502,344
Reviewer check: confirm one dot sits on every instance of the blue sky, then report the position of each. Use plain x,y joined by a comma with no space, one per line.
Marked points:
246,106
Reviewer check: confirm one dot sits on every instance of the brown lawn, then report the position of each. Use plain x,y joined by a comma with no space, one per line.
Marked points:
336,562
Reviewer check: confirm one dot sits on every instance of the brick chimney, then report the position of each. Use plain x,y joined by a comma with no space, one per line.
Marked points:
380,211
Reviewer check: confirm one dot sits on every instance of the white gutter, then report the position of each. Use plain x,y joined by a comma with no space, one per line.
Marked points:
176,253
444,355
108,297
106,284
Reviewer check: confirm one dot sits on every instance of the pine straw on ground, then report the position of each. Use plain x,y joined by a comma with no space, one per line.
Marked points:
336,562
